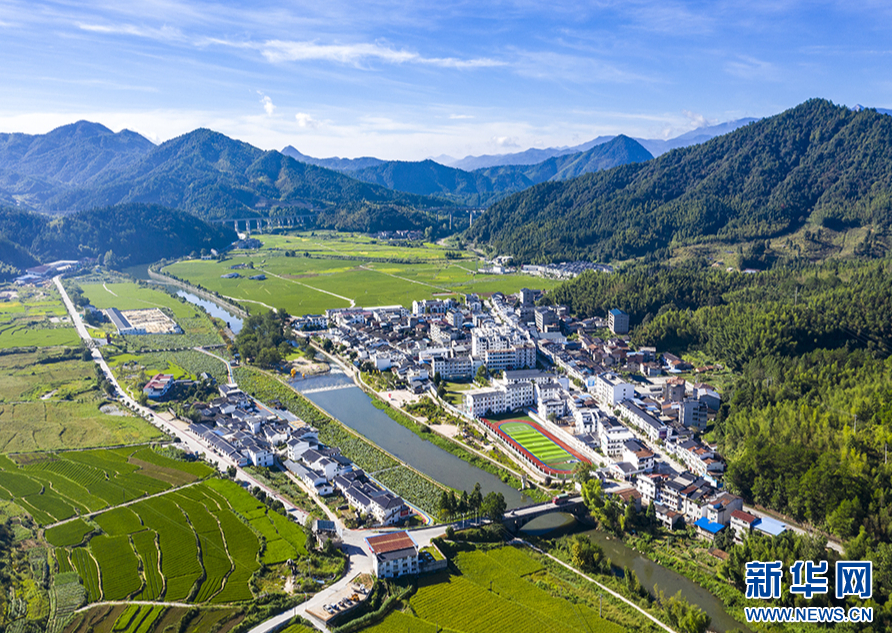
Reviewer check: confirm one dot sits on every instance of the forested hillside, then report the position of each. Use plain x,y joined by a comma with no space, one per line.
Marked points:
816,164
122,235
37,167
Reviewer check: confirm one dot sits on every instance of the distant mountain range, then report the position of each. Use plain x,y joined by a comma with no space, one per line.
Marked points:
482,187
654,146
817,164
86,165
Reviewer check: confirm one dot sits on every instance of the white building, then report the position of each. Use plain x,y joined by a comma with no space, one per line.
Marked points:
452,367
610,389
612,435
394,554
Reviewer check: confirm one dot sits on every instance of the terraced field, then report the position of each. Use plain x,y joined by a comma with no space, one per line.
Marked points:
197,544
54,487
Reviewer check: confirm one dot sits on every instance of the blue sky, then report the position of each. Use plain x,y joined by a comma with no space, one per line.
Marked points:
408,80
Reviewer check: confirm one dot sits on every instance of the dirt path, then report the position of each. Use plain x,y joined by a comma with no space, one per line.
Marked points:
348,299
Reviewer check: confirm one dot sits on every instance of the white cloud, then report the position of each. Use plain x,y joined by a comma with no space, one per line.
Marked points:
505,141
284,51
306,121
698,120
268,105
167,33
461,116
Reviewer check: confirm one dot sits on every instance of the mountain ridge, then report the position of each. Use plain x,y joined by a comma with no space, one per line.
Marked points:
817,163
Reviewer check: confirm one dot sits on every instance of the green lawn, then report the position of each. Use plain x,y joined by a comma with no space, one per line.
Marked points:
529,437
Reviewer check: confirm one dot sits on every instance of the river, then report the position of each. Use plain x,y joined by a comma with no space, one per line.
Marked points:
649,573
350,404
235,323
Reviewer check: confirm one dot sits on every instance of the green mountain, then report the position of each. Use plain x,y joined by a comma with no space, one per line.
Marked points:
214,176
35,168
133,233
485,186
816,164
620,150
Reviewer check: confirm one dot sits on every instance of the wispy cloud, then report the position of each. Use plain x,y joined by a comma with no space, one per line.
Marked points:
461,116
166,33
746,67
355,54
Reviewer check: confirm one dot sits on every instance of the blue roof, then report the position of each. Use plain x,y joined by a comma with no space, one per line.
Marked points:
769,526
710,526
616,312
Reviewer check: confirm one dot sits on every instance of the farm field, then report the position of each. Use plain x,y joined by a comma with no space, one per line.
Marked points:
197,327
200,544
516,602
49,401
54,487
152,619
187,364
37,318
536,442
342,269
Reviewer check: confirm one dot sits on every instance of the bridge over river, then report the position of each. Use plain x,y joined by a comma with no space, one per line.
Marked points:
517,518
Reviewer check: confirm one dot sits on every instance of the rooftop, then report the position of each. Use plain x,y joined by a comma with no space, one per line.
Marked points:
390,542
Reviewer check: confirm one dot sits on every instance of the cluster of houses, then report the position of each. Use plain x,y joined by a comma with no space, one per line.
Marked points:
688,499
564,270
234,426
39,274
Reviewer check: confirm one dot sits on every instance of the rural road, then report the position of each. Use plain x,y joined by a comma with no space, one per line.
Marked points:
185,438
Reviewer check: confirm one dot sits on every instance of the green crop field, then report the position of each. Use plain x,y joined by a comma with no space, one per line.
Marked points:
67,534
308,285
197,327
496,592
37,319
204,538
54,487
50,401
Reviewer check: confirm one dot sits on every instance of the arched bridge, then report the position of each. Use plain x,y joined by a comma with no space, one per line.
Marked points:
516,519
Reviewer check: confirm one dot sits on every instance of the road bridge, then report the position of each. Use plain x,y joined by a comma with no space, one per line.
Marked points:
517,518
268,222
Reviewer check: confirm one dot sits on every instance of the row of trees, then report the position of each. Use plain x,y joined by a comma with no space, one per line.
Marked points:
492,506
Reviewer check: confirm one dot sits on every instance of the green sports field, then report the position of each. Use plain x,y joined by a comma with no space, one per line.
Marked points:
531,439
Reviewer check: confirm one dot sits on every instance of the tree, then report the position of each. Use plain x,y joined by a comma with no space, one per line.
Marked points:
651,514
441,391
446,505
482,375
475,499
494,506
